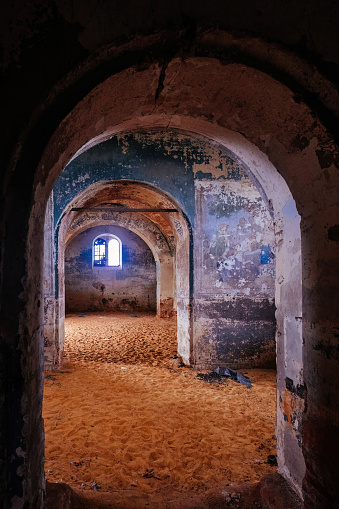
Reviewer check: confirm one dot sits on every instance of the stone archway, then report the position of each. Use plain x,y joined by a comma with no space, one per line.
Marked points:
277,139
165,233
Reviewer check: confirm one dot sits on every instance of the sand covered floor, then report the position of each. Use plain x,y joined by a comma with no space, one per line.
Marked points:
121,415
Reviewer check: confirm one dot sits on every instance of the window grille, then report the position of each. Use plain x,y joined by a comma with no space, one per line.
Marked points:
107,251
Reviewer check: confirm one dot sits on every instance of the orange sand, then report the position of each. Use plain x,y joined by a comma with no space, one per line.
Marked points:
121,415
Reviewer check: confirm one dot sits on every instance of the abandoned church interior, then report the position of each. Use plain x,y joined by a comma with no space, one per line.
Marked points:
170,176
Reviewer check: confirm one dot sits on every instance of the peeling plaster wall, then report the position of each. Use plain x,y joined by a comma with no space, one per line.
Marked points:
161,160
290,363
51,304
235,275
129,289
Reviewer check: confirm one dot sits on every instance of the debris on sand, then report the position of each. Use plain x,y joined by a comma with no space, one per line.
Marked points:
175,362
221,375
272,460
50,377
149,473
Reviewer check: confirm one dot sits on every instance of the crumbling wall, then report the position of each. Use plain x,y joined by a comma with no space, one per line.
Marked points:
235,275
129,288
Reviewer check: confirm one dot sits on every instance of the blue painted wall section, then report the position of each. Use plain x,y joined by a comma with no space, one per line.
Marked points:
161,160
266,255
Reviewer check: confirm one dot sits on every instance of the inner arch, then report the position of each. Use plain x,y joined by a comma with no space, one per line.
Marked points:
288,275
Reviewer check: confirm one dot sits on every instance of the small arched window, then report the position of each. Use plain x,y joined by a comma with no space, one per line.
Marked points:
107,251
99,254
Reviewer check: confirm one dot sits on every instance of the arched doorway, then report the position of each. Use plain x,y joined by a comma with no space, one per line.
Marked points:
279,202
164,229
221,134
